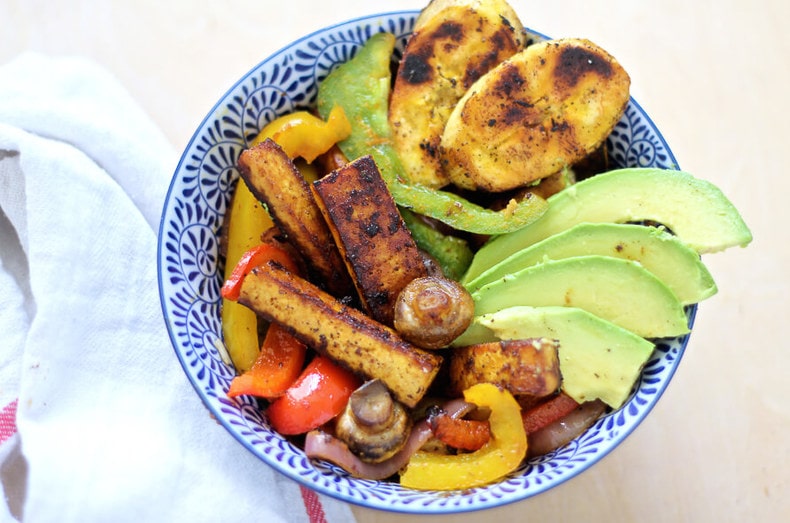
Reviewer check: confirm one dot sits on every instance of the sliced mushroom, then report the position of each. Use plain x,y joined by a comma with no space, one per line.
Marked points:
373,424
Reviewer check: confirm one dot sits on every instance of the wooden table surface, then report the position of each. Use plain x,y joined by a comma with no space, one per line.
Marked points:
713,76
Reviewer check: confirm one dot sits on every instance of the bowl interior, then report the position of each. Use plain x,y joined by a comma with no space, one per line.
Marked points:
190,276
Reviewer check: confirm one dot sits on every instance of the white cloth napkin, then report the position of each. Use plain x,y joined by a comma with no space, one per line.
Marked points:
97,420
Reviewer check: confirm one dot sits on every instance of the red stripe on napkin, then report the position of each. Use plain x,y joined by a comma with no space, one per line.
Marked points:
8,421
313,505
315,511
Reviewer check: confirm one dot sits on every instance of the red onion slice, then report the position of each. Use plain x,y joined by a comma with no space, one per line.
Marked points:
324,446
564,430
321,445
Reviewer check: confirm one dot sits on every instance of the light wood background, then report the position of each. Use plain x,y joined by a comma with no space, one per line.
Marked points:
714,77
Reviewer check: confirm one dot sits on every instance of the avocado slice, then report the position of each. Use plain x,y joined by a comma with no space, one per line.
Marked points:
695,210
598,359
617,290
661,253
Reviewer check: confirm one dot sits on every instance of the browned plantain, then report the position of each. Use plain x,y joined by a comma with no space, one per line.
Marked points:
340,332
528,366
454,43
538,112
551,184
378,249
274,179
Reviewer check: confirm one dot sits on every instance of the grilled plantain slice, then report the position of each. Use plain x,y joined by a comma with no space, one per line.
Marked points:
523,367
340,332
274,179
533,115
378,249
454,43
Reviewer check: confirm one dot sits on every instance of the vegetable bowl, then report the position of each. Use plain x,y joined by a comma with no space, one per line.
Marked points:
191,275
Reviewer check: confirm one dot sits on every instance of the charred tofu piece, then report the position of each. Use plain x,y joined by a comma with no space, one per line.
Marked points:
377,247
523,367
339,331
454,43
274,179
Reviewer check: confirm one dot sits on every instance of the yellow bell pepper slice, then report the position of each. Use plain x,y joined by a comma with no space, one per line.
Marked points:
248,221
300,134
305,135
503,453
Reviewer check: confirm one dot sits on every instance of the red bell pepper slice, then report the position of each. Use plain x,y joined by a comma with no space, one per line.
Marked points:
276,368
459,433
255,257
548,412
318,395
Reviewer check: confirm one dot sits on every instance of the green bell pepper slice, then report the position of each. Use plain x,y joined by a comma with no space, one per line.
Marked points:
453,254
361,86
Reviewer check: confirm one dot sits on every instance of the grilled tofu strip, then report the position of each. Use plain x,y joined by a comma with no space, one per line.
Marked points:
378,249
341,332
274,179
454,43
524,367
539,111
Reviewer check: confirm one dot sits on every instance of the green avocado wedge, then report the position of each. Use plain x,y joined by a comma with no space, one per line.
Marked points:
617,290
694,210
658,251
598,359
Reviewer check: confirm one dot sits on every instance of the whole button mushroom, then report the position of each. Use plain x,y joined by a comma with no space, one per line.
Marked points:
432,311
373,424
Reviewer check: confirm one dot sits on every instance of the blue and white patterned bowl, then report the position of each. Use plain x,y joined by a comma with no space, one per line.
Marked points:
190,274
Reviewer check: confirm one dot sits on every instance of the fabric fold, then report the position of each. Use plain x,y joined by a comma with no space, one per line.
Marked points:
108,425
